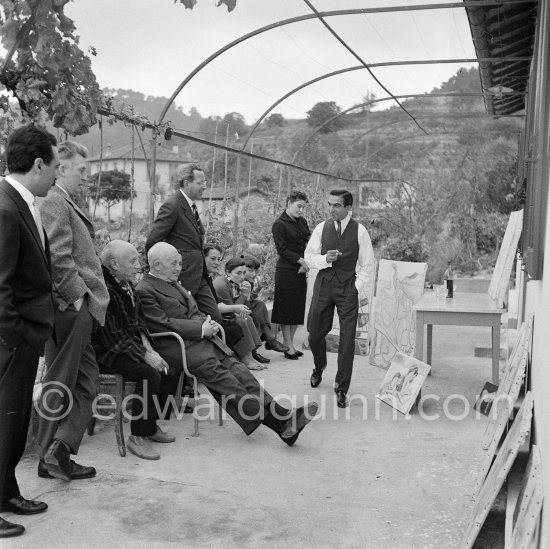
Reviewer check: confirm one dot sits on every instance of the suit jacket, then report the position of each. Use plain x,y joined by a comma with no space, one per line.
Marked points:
176,224
75,267
170,308
26,307
290,237
124,324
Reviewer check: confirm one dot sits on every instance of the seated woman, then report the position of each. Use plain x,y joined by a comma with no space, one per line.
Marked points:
234,290
251,287
240,332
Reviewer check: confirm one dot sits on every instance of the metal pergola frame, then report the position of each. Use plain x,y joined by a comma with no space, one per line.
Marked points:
321,16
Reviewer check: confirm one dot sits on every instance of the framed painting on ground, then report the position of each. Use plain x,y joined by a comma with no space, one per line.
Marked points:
403,382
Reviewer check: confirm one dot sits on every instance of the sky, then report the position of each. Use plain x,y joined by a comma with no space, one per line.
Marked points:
151,46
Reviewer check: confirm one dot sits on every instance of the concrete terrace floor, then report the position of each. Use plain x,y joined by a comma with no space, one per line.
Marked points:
356,478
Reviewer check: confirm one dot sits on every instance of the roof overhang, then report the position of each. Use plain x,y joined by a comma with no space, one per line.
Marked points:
507,30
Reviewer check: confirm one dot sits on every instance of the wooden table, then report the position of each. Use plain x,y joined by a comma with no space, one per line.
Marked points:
464,309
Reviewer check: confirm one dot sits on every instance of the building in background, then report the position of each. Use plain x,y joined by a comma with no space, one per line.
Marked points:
120,158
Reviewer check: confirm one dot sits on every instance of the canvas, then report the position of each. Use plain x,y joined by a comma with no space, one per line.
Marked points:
403,382
400,285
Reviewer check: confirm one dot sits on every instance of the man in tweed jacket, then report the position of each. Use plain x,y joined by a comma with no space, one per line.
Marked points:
80,299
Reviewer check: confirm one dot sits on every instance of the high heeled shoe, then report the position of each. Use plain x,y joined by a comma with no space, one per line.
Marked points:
291,356
299,353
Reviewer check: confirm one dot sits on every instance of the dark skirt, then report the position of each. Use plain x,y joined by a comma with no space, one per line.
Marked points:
289,302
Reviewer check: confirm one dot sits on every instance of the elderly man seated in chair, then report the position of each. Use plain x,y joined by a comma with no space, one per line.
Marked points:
123,346
169,307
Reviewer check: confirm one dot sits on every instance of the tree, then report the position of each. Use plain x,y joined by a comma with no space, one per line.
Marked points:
115,186
45,70
323,111
367,98
275,119
237,124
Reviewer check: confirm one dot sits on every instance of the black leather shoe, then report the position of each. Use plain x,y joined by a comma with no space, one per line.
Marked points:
78,471
274,345
292,427
291,356
260,358
341,399
316,378
58,460
299,353
10,530
21,506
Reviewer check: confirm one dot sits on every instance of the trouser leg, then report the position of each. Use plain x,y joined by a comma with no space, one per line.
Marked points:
237,391
71,380
148,380
319,322
17,374
206,302
347,305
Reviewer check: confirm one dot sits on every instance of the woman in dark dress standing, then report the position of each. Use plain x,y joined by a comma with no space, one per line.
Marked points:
290,234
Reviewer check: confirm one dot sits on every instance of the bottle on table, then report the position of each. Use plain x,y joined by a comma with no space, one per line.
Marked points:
449,280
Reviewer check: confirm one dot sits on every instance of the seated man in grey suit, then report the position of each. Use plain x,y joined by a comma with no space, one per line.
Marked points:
169,307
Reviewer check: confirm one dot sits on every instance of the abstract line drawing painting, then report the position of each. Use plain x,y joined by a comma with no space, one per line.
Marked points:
400,285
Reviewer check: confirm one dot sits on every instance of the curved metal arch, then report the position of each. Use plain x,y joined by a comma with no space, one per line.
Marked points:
362,67
357,11
360,136
389,98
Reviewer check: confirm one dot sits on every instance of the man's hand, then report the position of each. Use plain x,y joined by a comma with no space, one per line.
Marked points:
156,361
209,327
332,255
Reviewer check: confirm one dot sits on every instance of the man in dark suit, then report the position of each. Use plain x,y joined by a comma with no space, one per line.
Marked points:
342,251
81,299
26,308
169,307
179,224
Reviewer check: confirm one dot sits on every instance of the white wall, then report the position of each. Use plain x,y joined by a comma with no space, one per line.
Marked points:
538,304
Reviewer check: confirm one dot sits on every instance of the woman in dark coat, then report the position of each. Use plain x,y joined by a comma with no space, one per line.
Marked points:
290,234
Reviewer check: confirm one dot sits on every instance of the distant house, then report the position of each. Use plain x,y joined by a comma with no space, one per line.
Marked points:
167,162
219,203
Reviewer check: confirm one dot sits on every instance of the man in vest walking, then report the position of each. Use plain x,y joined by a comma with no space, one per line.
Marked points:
342,251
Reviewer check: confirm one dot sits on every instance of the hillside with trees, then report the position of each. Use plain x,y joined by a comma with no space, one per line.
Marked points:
452,174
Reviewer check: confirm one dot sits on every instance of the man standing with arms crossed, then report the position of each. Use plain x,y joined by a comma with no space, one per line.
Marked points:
342,251
26,308
178,223
81,299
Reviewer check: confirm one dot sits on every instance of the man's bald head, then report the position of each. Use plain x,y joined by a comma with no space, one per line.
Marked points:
122,259
164,261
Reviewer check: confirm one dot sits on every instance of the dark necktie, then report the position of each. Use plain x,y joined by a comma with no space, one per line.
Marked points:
339,229
196,213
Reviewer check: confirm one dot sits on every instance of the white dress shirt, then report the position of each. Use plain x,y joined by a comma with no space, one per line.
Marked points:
365,259
189,201
29,198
